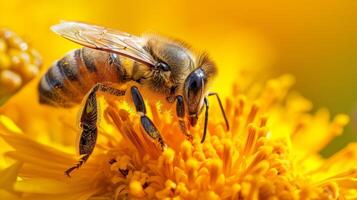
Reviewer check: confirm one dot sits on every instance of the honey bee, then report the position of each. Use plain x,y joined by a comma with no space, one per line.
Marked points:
112,58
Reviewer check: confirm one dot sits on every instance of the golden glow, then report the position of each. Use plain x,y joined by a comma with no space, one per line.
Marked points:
272,150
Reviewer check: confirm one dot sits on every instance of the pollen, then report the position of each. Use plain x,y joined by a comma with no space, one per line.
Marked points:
136,189
19,63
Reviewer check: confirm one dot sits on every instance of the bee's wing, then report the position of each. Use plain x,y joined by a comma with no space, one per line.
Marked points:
105,39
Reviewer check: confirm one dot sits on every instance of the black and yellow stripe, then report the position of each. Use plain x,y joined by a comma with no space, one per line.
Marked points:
71,78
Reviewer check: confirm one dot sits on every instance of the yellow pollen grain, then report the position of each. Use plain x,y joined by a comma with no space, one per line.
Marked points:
168,155
136,189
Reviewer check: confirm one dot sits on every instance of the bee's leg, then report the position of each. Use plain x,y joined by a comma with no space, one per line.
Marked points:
88,123
180,112
222,110
206,121
146,123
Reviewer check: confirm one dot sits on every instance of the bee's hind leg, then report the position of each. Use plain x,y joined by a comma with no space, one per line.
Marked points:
88,123
180,112
146,123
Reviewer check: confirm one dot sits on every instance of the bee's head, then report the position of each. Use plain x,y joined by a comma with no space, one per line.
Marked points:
196,86
174,63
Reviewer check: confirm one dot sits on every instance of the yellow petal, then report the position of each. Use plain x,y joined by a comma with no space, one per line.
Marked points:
8,176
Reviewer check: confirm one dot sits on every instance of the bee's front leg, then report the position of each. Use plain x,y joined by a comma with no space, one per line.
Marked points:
146,123
180,112
88,123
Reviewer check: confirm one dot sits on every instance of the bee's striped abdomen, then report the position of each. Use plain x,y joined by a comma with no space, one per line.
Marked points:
70,78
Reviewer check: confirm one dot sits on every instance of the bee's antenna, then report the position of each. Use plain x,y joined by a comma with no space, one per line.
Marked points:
222,110
206,121
206,114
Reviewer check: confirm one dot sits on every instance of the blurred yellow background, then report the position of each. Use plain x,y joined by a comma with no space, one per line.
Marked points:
314,40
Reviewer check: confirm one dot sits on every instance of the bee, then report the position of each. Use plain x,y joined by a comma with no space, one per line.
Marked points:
111,58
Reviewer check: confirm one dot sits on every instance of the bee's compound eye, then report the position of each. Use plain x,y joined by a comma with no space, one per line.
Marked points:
194,86
163,66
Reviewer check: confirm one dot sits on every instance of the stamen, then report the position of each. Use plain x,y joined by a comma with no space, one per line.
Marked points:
263,122
262,154
215,167
251,139
253,112
127,131
227,155
191,169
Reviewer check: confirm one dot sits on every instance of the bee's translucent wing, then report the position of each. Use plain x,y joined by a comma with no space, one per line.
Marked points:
105,39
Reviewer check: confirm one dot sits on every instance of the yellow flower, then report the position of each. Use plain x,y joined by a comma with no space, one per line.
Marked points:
271,152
